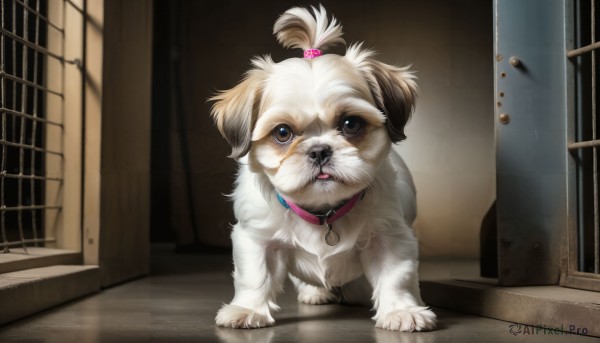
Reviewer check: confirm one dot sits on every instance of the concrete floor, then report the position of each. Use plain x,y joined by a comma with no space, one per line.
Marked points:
178,301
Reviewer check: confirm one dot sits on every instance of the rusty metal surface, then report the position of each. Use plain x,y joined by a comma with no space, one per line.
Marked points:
532,150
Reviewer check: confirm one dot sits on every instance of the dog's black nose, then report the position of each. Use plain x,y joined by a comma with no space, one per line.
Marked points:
320,154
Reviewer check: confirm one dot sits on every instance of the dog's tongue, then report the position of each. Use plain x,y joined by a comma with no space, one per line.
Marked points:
323,176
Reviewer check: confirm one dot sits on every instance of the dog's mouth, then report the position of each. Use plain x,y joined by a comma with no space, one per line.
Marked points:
324,177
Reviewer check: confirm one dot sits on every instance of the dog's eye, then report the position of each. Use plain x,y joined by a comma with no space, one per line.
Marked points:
351,125
283,133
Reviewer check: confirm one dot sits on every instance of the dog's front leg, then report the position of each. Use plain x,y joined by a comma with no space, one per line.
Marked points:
258,275
390,264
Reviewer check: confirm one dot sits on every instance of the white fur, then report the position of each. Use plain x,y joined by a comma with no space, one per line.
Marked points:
377,244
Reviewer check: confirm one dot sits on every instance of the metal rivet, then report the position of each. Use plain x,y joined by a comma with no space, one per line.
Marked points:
498,57
514,61
504,118
502,94
499,104
503,75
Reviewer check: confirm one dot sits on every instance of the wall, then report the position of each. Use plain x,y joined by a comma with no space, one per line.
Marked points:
117,132
450,146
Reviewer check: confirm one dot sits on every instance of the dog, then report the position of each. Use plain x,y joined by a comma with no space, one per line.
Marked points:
320,194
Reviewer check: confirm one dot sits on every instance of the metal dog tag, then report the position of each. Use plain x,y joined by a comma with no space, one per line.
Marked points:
331,237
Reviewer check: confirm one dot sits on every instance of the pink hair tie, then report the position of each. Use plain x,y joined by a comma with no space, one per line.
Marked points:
312,53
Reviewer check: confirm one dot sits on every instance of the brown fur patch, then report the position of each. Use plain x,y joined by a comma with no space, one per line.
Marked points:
291,148
236,111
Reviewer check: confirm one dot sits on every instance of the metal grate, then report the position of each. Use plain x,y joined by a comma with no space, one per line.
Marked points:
586,125
24,93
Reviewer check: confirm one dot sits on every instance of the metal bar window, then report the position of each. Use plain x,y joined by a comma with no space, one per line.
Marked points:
37,13
23,97
584,150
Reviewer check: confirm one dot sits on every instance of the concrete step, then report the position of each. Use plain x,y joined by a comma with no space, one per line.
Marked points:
29,291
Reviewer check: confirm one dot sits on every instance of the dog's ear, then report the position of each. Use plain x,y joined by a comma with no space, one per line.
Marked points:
235,111
395,93
393,88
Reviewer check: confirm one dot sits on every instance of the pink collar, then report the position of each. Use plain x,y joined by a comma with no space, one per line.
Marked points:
322,219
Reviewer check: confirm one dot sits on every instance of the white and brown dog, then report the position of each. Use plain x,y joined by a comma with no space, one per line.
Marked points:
320,195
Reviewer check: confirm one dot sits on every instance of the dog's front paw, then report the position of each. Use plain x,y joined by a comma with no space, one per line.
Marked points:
409,320
238,317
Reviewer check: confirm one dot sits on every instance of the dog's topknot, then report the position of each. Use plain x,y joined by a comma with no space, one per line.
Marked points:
299,28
